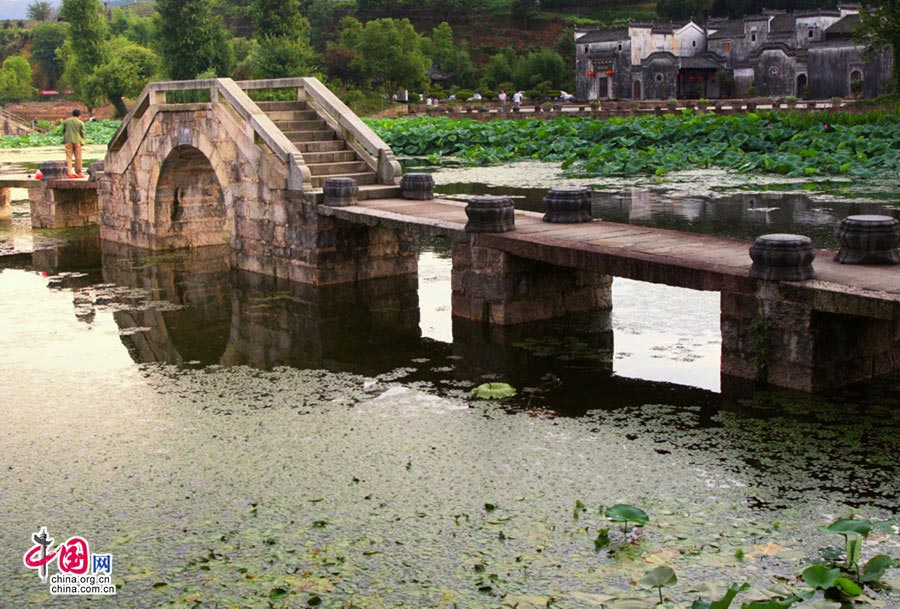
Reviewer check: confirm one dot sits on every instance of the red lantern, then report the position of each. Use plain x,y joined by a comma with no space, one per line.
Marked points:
591,74
609,72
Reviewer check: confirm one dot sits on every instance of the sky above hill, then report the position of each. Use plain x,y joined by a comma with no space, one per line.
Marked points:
16,9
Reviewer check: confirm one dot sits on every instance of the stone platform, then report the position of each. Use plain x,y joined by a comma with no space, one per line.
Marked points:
61,203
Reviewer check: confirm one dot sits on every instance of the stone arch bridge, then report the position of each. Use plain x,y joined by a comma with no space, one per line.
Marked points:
199,163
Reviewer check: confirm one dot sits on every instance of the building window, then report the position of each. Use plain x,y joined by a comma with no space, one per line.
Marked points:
752,37
810,34
693,43
620,46
658,78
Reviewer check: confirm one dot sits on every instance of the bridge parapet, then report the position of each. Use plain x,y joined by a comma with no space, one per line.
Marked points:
377,154
154,99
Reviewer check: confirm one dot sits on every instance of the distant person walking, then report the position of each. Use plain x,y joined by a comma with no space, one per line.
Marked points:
503,99
73,138
517,100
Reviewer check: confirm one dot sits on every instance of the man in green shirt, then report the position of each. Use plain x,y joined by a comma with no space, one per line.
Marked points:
73,138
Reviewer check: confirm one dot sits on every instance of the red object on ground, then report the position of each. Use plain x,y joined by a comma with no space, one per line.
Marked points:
39,175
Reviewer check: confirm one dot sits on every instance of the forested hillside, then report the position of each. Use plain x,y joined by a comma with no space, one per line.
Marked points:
366,49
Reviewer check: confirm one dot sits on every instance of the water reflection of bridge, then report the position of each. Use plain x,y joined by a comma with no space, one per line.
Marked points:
227,317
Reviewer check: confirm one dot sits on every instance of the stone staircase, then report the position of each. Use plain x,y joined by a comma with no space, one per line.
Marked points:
326,154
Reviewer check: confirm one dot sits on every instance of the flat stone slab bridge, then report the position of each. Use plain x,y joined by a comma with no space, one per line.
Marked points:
199,163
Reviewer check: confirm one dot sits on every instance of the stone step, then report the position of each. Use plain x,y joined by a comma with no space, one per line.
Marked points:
367,192
310,136
268,106
326,146
337,169
336,156
361,178
291,126
291,115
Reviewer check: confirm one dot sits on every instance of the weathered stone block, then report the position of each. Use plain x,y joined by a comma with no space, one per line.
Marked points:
782,257
490,214
868,239
417,186
340,192
568,205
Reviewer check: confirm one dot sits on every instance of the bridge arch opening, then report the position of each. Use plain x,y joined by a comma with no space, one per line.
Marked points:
189,204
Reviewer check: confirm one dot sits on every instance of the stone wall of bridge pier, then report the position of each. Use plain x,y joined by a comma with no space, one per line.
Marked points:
771,338
498,288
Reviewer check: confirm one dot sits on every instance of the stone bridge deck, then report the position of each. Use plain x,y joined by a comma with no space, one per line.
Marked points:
687,260
840,328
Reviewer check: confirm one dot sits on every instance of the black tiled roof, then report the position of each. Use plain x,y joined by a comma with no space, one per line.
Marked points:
733,28
603,36
844,27
783,23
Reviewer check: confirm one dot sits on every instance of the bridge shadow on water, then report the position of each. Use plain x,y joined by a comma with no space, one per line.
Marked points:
191,308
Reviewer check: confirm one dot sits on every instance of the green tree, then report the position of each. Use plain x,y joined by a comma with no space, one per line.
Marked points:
128,70
191,39
84,49
541,66
390,53
683,10
15,79
321,15
46,39
283,57
87,31
139,30
502,67
448,58
879,28
565,45
274,18
40,11
525,10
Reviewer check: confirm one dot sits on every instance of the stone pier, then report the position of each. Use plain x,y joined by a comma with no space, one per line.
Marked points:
5,204
770,337
495,287
63,204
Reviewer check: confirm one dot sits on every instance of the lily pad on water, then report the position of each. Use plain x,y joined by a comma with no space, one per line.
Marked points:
819,576
850,527
494,391
627,513
876,567
659,577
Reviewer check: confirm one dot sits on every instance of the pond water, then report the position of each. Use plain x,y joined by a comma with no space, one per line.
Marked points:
237,441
